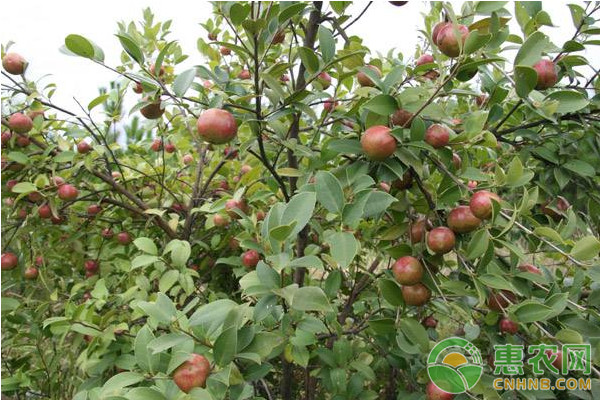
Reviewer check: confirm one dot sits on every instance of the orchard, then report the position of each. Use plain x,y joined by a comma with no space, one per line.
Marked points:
294,216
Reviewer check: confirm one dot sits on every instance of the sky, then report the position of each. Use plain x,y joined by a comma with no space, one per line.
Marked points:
38,29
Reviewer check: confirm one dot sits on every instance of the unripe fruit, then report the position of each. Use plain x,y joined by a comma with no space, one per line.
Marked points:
481,203
83,147
170,148
244,74
408,270
530,268
364,80
499,301
192,373
33,113
506,325
245,169
93,209
472,184
417,231
416,295
250,258
324,79
330,104
220,220
378,143
225,51
14,63
462,220
404,183
385,187
437,136
107,233
436,30
30,273
67,192
448,41
233,244
20,123
441,240
435,393
217,126
401,118
546,74
424,59
8,261
232,204
45,212
91,265
188,159
152,110
124,238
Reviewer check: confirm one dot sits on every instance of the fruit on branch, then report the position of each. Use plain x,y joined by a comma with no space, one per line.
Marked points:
472,184
233,244
212,36
124,238
170,148
23,141
562,205
506,325
94,209
530,268
20,123
404,183
364,80
192,373
138,88
83,147
230,152
233,204
401,117
481,100
161,71
250,258
435,393
8,261
407,270
57,220
481,203
67,192
244,74
557,362
279,37
424,59
6,136
152,110
188,159
37,112
449,41
91,266
398,3
547,75
324,79
441,240
417,230
462,220
220,221
378,143
429,322
45,212
260,215
437,136
245,169
330,104
416,295
107,233
58,180
385,186
35,197
11,184
456,161
225,51
14,63
39,261
217,126
22,213
30,273
436,30
499,301
284,78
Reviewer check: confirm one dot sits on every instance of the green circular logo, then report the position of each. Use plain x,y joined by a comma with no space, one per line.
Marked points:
455,365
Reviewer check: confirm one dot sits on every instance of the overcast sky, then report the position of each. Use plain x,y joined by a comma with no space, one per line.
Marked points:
39,27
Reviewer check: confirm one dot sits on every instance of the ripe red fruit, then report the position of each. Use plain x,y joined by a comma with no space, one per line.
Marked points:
212,36
225,51
217,126
424,59
481,203
557,363
30,273
437,136
385,187
436,30
448,41
83,147
417,230
35,197
156,145
94,209
67,192
401,118
435,393
405,182
407,270
8,261
23,141
14,63
192,373
57,220
244,74
364,80
223,185
506,325
152,110
91,265
284,78
45,211
107,233
441,240
230,152
250,258
546,74
330,104
138,88
39,261
232,204
429,322
499,301
456,161
124,238
260,215
398,3
20,123
324,79
6,136
378,143
170,148
161,71
462,220
188,159
58,181
279,37
530,268
416,295
220,220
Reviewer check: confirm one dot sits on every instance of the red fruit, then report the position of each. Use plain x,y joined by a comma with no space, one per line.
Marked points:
416,295
546,74
436,30
170,148
225,51
385,187
107,233
45,211
83,147
557,363
506,325
429,322
435,393
57,220
20,123
499,301
260,215
279,37
6,136
217,126
115,174
233,204
39,261
230,152
212,36
244,74
234,244
93,209
161,71
124,238
91,265
330,104
67,192
58,181
424,59
417,230
152,110
441,240
448,41
456,161
35,197
138,88
30,273
156,145
378,143
35,113
22,213
207,84
23,141
530,268
408,270
87,296
9,202
404,183
364,80
398,3
437,136
481,203
223,185
472,184
11,184
14,63
284,78
188,159
401,118
8,261
462,220
192,373
324,79
250,258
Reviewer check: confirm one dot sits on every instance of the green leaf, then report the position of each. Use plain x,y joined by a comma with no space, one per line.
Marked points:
382,104
299,211
525,80
478,244
80,46
391,292
586,248
119,381
146,245
568,101
530,311
290,10
225,346
531,51
183,81
167,341
329,191
97,101
239,12
64,156
281,232
168,280
144,393
343,248
415,332
309,59
180,251
310,298
143,260
377,203
581,168
24,187
476,41
131,47
144,360
21,158
326,43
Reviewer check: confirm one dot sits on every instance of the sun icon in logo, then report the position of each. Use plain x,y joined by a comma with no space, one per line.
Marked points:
455,365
